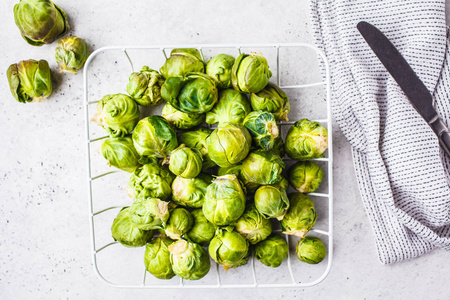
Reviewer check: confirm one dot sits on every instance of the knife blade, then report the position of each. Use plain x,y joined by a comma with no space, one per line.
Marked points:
417,93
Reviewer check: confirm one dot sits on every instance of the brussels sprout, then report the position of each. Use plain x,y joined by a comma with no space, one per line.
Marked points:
157,258
71,53
253,226
278,147
262,167
311,250
190,191
300,217
196,93
181,62
305,140
151,180
228,145
305,176
202,231
250,73
145,87
126,233
40,21
197,139
228,248
272,251
180,119
234,169
219,67
232,107
149,213
30,80
154,136
224,200
271,201
118,114
271,99
189,260
120,153
263,128
185,162
180,222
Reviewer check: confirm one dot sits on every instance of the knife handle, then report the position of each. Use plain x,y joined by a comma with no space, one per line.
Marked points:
442,133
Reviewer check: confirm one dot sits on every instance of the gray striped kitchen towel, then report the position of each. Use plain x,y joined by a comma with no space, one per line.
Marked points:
402,174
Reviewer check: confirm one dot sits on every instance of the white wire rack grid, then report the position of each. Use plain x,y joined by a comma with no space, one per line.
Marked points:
289,280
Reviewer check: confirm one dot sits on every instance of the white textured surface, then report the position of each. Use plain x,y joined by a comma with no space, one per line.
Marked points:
44,244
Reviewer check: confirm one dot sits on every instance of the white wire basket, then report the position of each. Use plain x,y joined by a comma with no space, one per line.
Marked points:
106,72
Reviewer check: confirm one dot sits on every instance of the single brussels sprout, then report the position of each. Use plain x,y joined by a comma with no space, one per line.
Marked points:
224,200
190,191
120,153
40,21
180,119
185,162
196,93
228,248
157,258
271,201
118,114
155,137
197,139
180,222
278,147
151,180
250,73
189,260
262,167
219,67
253,226
149,213
300,217
145,87
311,250
229,144
305,140
30,80
272,251
203,231
263,128
71,53
232,107
181,62
305,176
271,99
125,232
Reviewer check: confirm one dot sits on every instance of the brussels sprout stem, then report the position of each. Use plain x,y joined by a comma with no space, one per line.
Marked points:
299,233
63,68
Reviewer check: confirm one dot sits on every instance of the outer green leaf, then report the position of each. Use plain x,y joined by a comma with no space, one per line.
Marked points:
120,153
189,260
126,233
272,251
271,99
300,217
157,258
145,87
305,140
181,62
232,107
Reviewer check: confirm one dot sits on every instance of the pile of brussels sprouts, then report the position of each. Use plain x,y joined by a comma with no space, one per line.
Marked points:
200,191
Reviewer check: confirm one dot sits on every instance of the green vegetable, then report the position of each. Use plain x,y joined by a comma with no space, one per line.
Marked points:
228,248
228,145
190,191
185,162
145,87
30,80
181,62
180,119
126,233
179,223
40,21
71,53
203,231
149,213
197,139
250,73
271,99
118,114
271,201
232,107
253,226
151,180
300,217
195,93
189,260
311,250
263,128
305,176
120,153
278,147
157,258
262,167
219,67
306,139
224,200
272,251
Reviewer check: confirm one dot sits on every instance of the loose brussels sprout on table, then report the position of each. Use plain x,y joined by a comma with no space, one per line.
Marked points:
300,217
151,180
305,176
202,231
219,67
71,53
252,225
272,251
179,223
181,62
189,260
127,233
272,201
271,99
311,250
145,87
228,248
30,80
305,140
250,73
262,167
263,128
190,192
197,139
185,162
232,107
157,258
120,153
180,119
149,213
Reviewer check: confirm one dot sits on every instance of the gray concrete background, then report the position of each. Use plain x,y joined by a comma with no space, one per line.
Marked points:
44,232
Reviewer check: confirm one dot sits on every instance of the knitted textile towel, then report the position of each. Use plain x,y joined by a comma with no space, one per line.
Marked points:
402,174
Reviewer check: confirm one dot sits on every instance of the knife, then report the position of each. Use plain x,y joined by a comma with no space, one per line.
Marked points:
417,93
